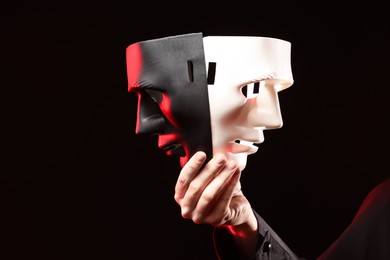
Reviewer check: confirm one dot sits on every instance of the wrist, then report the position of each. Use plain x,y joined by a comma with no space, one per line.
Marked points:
246,237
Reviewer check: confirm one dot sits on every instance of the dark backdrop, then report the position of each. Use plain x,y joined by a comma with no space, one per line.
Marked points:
77,183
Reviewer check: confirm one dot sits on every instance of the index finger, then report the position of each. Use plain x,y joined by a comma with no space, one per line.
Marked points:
188,173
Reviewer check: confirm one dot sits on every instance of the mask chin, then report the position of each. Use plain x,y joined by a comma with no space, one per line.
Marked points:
240,158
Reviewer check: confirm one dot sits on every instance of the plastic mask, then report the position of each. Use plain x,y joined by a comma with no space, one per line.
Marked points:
216,94
248,72
169,76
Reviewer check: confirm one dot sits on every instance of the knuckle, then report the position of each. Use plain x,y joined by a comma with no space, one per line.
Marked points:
207,197
185,212
177,198
193,188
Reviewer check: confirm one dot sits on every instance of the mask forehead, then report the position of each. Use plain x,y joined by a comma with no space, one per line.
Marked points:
249,59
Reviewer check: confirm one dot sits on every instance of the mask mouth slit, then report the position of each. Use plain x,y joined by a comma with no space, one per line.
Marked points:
174,149
190,67
211,73
172,146
247,143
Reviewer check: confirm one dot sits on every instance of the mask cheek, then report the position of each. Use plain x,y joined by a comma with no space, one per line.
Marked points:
166,109
149,118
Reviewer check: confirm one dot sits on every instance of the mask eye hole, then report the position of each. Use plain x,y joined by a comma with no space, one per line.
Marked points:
251,90
211,73
190,67
155,95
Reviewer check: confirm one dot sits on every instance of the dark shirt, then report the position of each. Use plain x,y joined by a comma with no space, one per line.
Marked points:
366,238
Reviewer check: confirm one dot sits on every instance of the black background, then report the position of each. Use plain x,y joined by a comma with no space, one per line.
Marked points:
77,183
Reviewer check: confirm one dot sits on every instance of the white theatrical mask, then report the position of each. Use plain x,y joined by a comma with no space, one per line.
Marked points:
248,73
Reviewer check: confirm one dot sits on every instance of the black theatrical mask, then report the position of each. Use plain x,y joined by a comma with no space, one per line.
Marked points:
169,77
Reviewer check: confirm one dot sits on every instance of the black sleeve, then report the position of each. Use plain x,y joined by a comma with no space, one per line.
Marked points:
368,235
270,246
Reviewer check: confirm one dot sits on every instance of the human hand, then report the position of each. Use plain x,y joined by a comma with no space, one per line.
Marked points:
212,194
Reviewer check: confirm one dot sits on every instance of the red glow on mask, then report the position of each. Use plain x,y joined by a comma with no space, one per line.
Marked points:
165,107
165,139
170,143
134,65
184,159
137,125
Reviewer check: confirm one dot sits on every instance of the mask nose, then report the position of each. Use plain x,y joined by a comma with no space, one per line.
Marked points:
149,118
265,110
150,125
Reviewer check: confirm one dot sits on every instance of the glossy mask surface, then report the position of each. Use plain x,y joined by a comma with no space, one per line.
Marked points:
248,72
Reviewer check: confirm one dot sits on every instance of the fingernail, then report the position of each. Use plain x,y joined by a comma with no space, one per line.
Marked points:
200,157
